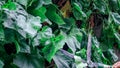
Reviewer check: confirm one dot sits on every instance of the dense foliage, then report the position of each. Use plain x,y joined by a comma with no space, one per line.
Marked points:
59,33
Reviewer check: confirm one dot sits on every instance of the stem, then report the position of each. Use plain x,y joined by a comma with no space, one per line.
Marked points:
89,49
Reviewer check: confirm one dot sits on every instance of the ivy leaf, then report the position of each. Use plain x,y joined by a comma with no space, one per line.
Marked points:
79,62
116,18
24,60
100,5
69,23
41,13
22,22
10,6
56,44
74,39
77,12
26,3
117,35
43,37
113,5
72,43
1,64
11,36
113,55
33,25
2,36
43,2
49,51
64,59
24,47
17,46
53,16
47,1
23,2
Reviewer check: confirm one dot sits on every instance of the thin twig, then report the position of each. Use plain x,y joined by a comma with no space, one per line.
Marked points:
89,46
89,49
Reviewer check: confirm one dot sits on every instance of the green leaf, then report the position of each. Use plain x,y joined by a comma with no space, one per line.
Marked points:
17,46
59,41
33,25
43,37
104,65
70,22
113,55
43,2
72,43
23,2
99,54
22,22
24,47
49,51
79,37
117,35
113,5
46,2
1,64
56,44
116,18
79,62
24,60
63,59
53,16
26,3
10,35
100,5
10,6
77,12
2,36
82,53
41,13
20,44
